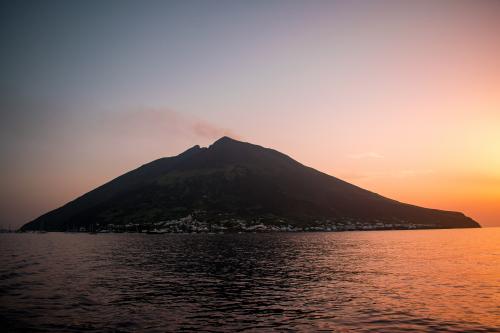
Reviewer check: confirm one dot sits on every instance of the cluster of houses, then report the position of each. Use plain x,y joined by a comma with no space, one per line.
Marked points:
189,224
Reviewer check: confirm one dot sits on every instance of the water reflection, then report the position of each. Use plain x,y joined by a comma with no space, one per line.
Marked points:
360,281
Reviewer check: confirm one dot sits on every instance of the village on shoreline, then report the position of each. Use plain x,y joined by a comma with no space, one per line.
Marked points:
189,224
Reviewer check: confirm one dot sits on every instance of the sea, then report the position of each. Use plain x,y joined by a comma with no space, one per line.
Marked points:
360,281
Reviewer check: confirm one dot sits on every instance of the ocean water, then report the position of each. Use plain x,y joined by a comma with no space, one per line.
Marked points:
390,281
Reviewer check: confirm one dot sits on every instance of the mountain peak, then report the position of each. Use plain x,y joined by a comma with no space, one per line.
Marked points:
224,140
191,150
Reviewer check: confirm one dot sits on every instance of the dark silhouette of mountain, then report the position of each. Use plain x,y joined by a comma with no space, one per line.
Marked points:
235,181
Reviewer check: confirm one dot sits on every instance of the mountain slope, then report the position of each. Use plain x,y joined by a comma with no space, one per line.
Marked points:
235,180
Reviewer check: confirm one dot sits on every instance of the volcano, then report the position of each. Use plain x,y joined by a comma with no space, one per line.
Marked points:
238,181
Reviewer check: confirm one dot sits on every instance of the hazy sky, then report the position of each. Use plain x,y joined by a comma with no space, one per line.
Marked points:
399,97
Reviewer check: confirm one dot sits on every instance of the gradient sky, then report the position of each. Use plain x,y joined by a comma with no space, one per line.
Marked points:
399,97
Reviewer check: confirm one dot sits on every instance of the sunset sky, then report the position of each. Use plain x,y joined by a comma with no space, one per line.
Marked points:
401,98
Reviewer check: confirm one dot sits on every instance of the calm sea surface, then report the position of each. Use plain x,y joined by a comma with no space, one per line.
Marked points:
390,281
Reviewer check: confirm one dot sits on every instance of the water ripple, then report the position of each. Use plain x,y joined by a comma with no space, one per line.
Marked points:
399,281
